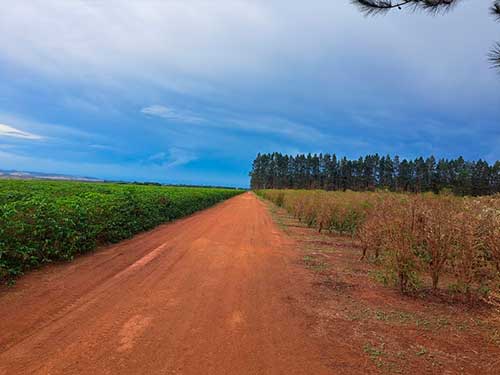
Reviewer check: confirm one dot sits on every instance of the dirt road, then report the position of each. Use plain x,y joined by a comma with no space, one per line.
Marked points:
210,294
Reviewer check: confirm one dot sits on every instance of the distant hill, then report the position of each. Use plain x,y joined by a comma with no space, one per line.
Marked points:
25,175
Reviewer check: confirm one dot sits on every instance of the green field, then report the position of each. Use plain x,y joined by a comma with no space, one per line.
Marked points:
45,221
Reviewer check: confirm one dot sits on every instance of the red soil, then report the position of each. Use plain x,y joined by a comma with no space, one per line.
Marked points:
215,293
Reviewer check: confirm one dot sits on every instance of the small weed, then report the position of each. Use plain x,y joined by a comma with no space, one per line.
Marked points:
278,220
381,315
308,260
422,351
314,264
462,326
400,355
393,316
319,267
375,353
403,317
359,314
423,323
380,277
443,322
495,337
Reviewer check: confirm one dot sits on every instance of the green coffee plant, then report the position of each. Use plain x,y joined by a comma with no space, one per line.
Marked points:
42,221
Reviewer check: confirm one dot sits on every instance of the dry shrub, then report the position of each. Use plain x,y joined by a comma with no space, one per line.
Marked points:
392,234
438,233
401,242
341,212
411,234
489,216
473,262
339,215
373,232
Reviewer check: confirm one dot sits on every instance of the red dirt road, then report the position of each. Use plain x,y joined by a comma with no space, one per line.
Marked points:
209,294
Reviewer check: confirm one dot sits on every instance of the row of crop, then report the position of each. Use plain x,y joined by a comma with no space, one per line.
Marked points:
341,212
45,228
17,190
411,235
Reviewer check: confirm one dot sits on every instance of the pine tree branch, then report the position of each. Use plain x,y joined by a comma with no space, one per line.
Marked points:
495,10
373,7
494,56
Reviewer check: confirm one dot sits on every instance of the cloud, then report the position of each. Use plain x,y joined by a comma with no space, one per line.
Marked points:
173,158
277,126
52,132
219,119
169,113
80,104
232,46
101,147
9,131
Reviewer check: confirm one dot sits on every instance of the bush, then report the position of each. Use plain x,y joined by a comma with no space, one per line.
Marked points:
411,234
331,211
49,221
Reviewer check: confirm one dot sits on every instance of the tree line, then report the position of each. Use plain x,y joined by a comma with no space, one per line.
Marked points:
328,172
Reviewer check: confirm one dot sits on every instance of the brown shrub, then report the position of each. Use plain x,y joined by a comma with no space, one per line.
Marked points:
411,234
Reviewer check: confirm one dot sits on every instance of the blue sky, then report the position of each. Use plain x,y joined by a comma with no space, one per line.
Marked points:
190,91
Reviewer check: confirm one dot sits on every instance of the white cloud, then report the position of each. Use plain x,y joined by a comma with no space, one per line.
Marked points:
9,131
169,113
230,121
54,133
173,158
98,146
178,156
197,46
277,126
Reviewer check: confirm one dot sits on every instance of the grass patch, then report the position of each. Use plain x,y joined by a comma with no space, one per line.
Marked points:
314,263
376,353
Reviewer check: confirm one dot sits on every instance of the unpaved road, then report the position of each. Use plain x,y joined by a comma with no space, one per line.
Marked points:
209,294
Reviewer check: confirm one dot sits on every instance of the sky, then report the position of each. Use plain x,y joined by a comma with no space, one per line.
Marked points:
190,91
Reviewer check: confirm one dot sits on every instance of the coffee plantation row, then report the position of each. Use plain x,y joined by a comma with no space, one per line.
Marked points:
412,236
45,221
